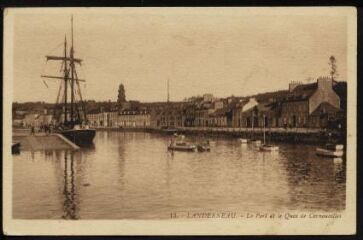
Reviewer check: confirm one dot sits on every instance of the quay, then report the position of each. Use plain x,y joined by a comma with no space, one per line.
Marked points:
295,135
42,141
54,141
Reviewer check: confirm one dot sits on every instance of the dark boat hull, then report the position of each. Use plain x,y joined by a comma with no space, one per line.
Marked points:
81,137
15,148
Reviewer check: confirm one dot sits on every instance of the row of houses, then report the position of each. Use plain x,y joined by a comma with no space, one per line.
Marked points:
35,119
126,118
315,105
321,104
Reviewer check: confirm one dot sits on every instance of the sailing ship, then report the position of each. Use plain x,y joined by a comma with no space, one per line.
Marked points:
72,122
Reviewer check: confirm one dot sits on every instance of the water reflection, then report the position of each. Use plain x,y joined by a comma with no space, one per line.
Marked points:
339,170
133,176
69,205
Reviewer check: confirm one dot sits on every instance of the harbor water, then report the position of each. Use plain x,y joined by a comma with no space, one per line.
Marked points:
131,175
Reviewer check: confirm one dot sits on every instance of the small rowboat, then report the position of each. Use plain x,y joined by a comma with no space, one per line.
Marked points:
331,150
203,148
182,146
169,130
242,140
338,147
269,148
329,153
179,136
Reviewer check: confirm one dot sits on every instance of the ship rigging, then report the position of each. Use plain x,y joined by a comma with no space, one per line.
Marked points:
74,124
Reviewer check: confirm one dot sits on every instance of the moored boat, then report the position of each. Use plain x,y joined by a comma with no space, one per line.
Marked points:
81,137
72,122
242,140
203,148
182,146
337,147
269,148
15,147
179,136
169,130
329,153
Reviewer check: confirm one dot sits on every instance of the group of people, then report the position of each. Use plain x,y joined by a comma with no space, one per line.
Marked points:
46,128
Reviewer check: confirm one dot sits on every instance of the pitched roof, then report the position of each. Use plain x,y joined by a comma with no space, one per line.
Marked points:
220,112
264,107
264,97
325,107
301,92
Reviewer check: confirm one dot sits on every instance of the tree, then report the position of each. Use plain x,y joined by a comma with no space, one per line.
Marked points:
333,67
121,98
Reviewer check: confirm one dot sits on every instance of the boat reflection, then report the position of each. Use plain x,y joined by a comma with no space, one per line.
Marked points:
133,176
69,203
339,170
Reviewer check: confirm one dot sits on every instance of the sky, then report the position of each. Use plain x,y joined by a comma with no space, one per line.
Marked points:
223,52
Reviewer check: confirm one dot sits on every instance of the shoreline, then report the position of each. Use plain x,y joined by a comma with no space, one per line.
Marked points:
308,136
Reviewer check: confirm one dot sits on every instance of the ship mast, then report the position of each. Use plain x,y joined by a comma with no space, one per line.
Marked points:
72,71
69,68
65,80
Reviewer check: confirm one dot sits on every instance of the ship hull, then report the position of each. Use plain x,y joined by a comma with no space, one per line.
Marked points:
81,137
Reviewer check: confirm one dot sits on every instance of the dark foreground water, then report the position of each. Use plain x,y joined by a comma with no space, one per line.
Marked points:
133,176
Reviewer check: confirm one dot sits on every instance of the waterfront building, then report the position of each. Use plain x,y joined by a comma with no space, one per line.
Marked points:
304,99
189,114
102,119
94,119
18,118
169,114
34,119
31,119
112,119
243,112
155,117
267,114
172,117
218,118
326,116
134,119
46,119
18,121
129,105
217,104
208,97
201,116
97,119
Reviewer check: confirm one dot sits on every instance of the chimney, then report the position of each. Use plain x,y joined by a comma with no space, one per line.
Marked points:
325,83
293,85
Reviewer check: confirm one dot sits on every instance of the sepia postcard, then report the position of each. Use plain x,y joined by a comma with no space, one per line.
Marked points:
180,121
